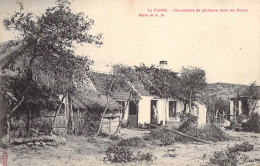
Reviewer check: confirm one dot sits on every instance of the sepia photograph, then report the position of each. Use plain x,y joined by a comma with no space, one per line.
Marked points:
130,82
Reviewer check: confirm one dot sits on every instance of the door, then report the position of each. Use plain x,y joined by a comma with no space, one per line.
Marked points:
133,114
154,112
172,109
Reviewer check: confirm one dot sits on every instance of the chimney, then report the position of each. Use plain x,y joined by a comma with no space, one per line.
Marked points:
163,64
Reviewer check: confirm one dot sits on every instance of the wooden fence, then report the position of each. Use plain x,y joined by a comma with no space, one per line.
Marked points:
38,125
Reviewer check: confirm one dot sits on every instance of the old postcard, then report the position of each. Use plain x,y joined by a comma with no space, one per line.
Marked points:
131,82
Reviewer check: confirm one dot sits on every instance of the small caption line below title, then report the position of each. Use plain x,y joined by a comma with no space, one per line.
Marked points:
162,12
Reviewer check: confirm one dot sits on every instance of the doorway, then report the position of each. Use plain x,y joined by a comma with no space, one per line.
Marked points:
133,114
154,112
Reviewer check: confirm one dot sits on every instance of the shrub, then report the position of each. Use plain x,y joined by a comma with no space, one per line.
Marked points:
241,118
230,157
224,159
170,155
165,137
167,141
253,124
207,132
188,121
124,125
244,147
132,142
142,156
119,154
104,135
115,137
123,154
157,134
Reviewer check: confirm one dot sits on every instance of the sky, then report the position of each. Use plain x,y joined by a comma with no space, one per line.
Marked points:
225,44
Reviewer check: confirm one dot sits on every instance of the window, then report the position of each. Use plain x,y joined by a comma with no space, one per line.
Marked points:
122,103
172,108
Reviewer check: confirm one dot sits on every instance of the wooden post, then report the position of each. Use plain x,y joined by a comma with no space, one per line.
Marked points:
8,123
71,119
57,112
78,121
109,125
28,125
30,121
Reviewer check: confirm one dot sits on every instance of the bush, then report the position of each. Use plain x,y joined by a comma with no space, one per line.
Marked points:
207,132
115,137
230,157
224,159
253,124
104,135
123,154
167,141
132,142
170,155
119,154
187,121
124,125
157,134
165,137
142,156
244,147
241,118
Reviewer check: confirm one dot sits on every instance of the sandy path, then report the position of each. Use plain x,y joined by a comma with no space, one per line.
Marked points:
78,151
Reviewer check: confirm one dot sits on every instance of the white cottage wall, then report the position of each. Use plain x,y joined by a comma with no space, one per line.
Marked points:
231,110
202,114
161,106
144,109
126,112
256,107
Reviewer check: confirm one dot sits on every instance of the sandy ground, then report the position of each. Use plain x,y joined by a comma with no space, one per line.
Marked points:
79,151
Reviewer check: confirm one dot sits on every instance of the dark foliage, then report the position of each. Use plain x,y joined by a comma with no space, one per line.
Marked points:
119,154
38,96
206,132
244,147
132,142
253,124
167,141
230,157
165,137
89,124
115,138
241,118
142,156
157,134
224,159
124,154
159,82
187,121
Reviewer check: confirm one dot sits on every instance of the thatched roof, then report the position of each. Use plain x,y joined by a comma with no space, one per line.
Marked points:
120,92
89,99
